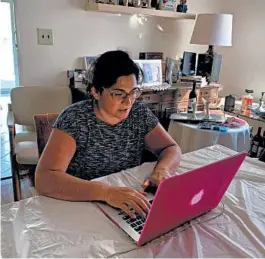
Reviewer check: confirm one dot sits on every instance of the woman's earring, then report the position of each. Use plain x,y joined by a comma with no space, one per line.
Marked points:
95,94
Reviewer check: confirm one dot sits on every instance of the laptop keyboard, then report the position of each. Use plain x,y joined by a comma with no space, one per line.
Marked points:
138,223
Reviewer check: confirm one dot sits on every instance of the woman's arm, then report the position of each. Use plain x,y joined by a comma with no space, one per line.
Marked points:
161,143
51,178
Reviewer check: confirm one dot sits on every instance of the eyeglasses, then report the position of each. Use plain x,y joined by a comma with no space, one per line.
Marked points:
120,95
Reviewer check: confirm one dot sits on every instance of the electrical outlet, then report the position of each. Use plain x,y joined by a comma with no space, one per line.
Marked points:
45,37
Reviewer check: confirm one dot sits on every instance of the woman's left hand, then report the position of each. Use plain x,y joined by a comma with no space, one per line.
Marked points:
156,178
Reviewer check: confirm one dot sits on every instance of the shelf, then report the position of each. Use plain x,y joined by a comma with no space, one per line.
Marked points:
119,9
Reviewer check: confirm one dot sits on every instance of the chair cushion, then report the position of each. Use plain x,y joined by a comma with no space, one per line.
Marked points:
27,152
26,136
30,100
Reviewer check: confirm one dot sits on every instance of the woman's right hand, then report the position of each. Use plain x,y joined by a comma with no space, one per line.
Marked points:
122,197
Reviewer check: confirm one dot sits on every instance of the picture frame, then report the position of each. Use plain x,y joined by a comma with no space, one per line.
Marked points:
172,70
88,60
152,70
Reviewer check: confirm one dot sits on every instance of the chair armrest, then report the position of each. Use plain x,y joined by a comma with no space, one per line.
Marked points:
10,119
11,130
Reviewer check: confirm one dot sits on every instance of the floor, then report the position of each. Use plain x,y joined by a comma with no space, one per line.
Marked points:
6,184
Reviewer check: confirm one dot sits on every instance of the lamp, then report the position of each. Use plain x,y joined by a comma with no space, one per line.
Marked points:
212,30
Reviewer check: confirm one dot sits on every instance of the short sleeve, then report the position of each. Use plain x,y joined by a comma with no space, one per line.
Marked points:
69,122
151,120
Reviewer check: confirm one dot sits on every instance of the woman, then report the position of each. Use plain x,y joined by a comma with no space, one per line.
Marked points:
104,135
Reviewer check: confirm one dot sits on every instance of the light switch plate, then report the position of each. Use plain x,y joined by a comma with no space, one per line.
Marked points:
45,37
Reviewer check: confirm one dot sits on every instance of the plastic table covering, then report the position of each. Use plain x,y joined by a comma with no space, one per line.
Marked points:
45,227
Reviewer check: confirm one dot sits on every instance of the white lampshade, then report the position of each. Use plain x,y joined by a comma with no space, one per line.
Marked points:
213,29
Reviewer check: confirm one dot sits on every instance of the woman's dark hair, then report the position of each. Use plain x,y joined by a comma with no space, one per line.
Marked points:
105,71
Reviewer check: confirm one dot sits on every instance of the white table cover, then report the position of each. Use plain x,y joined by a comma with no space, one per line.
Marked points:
45,227
190,138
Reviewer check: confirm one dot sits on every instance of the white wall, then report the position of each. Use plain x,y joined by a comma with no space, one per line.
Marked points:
78,33
244,63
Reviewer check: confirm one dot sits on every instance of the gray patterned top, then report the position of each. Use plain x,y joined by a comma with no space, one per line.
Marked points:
102,149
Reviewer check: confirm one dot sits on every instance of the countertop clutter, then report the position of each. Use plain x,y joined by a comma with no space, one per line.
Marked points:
165,89
245,106
169,9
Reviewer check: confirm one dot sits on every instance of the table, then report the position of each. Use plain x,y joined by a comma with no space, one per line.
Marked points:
190,138
45,227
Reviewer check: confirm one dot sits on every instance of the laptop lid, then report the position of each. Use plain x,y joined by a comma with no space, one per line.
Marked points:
186,196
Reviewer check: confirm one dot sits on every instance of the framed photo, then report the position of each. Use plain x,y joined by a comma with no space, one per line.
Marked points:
152,70
88,60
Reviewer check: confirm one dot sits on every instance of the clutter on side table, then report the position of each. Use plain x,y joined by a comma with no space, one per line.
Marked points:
260,109
245,106
229,123
214,126
233,122
230,102
247,101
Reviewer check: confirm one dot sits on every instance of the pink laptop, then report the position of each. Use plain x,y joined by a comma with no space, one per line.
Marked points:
179,199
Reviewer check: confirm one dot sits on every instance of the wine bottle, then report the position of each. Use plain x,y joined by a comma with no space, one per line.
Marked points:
251,133
251,138
256,142
192,98
261,146
262,157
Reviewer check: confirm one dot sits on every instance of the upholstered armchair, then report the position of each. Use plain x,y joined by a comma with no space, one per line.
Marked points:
25,103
